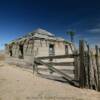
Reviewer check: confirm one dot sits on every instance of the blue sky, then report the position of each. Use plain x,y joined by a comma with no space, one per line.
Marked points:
18,17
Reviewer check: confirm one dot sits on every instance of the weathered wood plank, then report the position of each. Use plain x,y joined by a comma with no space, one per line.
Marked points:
58,56
98,66
59,63
87,66
82,69
93,72
76,66
63,70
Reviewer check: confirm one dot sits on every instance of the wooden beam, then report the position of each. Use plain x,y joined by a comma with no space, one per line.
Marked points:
69,71
59,63
89,66
82,66
58,56
76,66
98,66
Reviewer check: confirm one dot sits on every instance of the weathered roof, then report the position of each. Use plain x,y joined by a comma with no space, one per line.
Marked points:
41,32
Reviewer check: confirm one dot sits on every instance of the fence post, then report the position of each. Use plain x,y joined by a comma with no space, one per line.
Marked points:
76,64
87,64
82,66
98,66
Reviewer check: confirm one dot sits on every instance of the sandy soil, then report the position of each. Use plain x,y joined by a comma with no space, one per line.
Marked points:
20,84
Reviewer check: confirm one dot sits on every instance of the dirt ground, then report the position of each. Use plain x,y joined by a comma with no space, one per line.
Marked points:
20,84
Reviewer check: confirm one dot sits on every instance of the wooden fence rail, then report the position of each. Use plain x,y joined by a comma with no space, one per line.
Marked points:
59,63
59,56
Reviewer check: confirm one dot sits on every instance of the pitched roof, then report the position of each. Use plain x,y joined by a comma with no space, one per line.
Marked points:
41,32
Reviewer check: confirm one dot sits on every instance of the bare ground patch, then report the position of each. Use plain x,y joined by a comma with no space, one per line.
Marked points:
2,57
19,84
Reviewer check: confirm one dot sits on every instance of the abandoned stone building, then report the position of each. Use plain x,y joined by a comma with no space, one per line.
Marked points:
39,43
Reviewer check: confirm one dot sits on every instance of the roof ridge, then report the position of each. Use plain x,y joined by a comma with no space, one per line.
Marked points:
42,32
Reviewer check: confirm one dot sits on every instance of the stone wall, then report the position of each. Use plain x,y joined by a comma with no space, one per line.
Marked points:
37,48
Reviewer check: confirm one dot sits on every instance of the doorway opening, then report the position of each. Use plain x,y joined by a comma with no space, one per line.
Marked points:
51,50
10,50
21,46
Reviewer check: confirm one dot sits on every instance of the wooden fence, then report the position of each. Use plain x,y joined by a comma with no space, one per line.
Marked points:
86,66
89,70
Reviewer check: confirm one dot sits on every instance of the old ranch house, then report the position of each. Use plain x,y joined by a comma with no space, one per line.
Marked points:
37,44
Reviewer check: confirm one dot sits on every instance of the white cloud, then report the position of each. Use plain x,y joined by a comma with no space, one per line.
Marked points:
95,30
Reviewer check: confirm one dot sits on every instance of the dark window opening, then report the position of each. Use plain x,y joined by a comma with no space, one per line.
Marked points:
21,51
93,86
10,50
51,50
66,49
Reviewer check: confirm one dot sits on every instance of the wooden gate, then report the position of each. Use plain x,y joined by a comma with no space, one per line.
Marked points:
60,67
